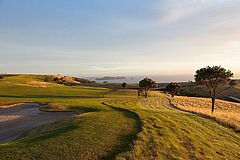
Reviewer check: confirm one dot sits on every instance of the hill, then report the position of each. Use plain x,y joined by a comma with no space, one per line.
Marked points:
194,89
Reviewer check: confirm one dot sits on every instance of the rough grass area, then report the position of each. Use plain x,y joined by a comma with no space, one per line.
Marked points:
168,133
226,112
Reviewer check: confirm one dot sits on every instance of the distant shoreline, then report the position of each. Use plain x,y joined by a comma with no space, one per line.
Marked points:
136,79
110,78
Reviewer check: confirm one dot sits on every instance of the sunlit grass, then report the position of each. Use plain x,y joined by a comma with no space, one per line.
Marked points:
171,134
98,131
227,112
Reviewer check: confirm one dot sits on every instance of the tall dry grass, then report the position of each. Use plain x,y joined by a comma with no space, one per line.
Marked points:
225,112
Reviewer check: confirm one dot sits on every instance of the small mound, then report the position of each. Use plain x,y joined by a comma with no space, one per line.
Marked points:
54,108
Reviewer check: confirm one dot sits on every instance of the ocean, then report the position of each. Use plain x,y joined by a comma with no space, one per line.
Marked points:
157,78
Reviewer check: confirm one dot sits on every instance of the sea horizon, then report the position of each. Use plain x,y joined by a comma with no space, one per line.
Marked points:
136,79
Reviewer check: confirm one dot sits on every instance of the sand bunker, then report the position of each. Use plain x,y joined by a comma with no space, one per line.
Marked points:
18,119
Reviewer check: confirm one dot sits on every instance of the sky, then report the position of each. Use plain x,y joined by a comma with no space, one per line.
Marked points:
120,37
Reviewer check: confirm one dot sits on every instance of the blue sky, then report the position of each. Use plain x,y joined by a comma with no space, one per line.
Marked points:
120,37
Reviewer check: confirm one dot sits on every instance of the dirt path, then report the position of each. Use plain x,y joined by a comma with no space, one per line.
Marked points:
18,119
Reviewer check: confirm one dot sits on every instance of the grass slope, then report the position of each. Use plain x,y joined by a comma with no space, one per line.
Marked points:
98,132
226,112
106,130
168,133
91,136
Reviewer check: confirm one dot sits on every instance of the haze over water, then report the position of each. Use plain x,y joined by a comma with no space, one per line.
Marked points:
159,79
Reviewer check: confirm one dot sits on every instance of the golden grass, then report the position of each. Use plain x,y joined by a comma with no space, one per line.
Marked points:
54,108
34,84
226,112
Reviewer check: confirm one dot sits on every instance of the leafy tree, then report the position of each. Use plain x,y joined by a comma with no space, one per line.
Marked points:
232,83
173,88
124,85
213,78
145,86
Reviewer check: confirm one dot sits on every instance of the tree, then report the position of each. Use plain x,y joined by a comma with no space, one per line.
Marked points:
124,85
173,88
145,86
213,78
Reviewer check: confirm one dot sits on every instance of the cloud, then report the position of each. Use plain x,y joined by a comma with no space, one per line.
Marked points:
172,11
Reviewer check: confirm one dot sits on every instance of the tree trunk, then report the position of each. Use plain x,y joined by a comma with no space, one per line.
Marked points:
146,94
213,103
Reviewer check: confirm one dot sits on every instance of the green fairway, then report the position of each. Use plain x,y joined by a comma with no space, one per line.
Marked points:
113,124
97,132
100,134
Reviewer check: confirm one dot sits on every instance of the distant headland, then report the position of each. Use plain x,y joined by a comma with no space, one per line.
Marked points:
110,78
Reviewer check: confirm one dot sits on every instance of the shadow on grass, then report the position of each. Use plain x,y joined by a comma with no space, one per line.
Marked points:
49,96
81,110
59,131
109,92
92,88
127,144
52,133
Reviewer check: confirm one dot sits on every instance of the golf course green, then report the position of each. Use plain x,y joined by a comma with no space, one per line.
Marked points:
111,124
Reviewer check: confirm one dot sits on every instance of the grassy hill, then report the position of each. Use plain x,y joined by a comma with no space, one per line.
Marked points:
197,90
113,124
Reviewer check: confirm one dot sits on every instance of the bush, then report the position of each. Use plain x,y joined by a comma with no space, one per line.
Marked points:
82,80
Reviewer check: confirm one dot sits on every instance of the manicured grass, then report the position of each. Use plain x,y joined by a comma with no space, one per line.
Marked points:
101,134
115,123
98,132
